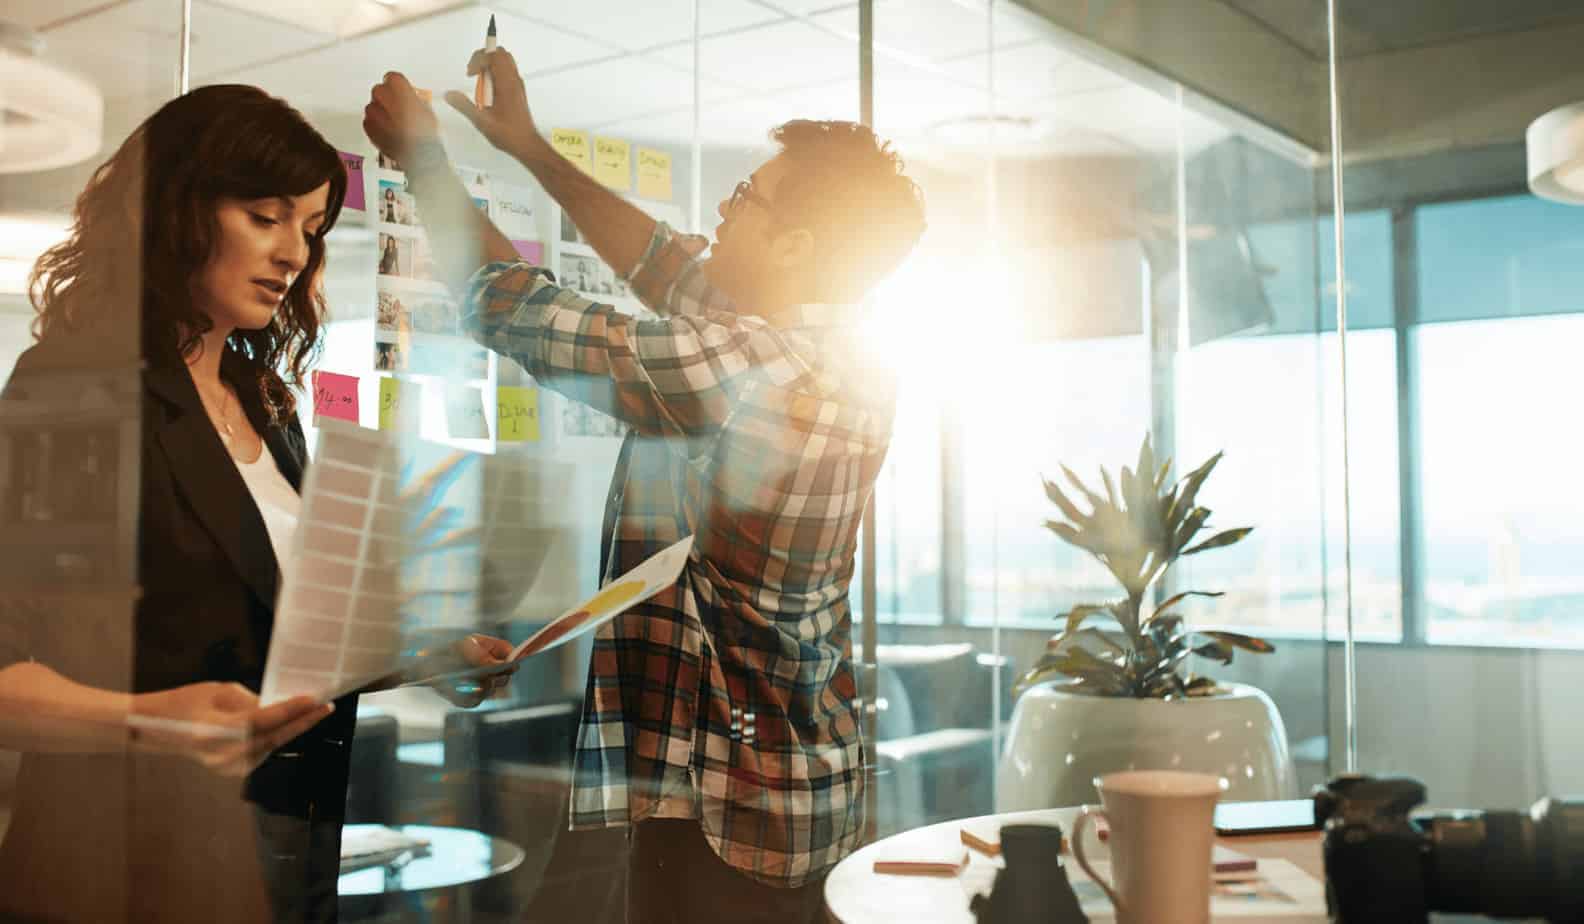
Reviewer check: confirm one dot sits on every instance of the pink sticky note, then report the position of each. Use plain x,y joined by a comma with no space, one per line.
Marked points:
354,169
532,251
335,395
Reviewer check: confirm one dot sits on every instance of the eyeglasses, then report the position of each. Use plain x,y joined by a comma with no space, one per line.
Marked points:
745,193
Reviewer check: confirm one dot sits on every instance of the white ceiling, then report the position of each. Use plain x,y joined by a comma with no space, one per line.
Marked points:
627,65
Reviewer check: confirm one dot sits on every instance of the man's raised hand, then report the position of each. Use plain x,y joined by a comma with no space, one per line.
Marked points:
507,123
397,119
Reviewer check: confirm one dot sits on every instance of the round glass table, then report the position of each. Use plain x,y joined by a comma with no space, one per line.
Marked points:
453,857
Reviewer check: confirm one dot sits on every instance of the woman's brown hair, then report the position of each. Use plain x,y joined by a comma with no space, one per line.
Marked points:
146,224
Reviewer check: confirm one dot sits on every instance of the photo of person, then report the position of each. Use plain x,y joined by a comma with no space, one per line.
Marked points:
392,314
389,357
396,205
396,256
386,162
579,272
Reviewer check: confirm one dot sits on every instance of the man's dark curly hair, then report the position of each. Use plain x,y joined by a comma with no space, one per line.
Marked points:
847,186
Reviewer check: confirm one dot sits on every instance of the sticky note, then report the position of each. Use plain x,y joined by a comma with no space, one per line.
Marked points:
574,146
532,251
465,413
613,163
654,174
399,403
354,168
516,414
335,395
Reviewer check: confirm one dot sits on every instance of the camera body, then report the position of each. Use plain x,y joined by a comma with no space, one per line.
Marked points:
1382,864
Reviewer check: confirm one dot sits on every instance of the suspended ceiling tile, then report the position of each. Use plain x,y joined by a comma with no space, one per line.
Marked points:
909,101
131,50
340,76
638,25
1034,69
1125,120
772,57
38,14
933,30
614,90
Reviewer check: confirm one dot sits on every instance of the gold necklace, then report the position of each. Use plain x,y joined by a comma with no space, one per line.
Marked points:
227,432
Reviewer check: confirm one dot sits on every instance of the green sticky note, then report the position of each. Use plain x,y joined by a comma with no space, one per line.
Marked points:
398,404
517,414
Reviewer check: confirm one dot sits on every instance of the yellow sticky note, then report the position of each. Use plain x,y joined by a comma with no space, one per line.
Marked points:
613,163
398,404
574,146
517,414
654,174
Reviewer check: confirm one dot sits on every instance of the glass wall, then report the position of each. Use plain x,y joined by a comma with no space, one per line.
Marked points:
1132,235
1476,297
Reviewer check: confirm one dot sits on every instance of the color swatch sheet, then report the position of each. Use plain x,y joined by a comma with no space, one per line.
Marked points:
399,542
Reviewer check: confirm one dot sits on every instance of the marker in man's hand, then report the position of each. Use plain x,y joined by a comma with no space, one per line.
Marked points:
484,87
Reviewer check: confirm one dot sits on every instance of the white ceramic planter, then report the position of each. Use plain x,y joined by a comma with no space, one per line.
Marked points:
1059,742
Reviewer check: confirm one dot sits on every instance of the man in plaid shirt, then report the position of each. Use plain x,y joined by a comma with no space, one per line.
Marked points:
722,716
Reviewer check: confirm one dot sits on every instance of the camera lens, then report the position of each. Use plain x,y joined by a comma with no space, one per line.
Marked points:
1507,864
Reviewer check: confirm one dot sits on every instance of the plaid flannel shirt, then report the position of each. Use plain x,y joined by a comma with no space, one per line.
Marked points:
763,438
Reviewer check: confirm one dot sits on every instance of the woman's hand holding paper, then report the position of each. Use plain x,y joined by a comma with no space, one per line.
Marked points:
219,725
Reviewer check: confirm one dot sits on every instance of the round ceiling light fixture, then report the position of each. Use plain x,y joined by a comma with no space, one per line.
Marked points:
1554,144
49,116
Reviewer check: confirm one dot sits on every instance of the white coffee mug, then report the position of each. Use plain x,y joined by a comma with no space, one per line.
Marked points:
1162,838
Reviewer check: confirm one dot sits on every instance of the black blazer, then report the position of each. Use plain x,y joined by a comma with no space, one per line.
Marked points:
207,569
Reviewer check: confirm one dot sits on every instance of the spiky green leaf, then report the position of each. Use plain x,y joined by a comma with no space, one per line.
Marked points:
1224,538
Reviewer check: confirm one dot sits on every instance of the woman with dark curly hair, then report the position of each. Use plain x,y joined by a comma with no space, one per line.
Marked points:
194,266
195,254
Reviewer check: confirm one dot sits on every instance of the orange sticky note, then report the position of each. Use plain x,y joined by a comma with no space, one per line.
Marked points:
335,395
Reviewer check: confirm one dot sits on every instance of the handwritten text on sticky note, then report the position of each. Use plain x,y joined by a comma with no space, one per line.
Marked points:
517,414
335,395
399,404
354,169
613,163
654,174
574,146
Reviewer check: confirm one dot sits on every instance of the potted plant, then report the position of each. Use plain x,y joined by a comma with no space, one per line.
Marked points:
1126,697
